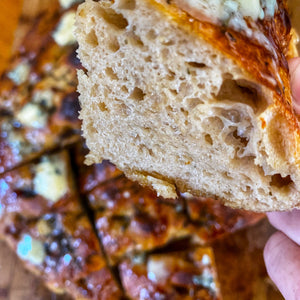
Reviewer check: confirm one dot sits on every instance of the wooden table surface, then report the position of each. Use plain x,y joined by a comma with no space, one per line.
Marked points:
15,282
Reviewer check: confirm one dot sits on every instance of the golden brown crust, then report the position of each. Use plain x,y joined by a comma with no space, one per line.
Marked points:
69,257
261,63
176,275
50,68
131,218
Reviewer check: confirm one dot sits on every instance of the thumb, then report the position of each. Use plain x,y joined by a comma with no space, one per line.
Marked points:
294,65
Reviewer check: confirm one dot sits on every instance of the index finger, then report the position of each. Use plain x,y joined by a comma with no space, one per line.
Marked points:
294,65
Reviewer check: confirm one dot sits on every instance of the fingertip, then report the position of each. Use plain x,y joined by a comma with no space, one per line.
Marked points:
270,251
287,222
294,66
282,259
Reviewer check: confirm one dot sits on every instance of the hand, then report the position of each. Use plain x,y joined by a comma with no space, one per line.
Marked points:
282,251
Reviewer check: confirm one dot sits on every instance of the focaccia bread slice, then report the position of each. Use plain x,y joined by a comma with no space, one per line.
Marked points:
130,219
189,274
38,99
192,96
42,220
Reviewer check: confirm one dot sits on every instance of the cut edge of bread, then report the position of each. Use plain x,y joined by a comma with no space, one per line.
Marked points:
128,123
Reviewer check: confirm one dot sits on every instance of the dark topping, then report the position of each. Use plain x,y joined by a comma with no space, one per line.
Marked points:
26,193
74,60
70,107
5,113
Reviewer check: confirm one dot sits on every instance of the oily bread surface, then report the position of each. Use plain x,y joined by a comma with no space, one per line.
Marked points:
178,113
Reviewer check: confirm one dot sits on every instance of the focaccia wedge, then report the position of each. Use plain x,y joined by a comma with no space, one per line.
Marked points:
130,219
42,220
38,99
189,274
193,96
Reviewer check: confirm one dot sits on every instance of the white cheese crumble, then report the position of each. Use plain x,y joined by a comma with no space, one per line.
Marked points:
63,34
205,260
31,250
222,10
157,270
20,73
67,3
44,98
50,180
31,115
247,8
43,227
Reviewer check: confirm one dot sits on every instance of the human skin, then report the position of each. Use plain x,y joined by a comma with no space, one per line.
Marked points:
282,251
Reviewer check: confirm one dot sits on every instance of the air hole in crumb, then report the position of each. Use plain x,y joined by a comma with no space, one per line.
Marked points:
169,108
137,94
82,13
213,124
123,109
143,149
110,73
92,39
193,102
184,112
135,40
208,139
167,42
113,18
232,115
127,4
243,140
278,181
124,89
102,106
171,75
174,92
227,175
148,59
242,91
113,44
151,35
195,64
201,86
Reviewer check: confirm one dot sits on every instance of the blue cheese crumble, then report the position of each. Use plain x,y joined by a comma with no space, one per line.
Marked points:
50,180
31,250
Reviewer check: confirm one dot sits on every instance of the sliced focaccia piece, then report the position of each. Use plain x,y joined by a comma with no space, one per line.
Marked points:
175,275
38,100
41,218
41,187
211,219
130,218
64,251
91,176
193,96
